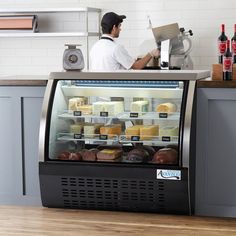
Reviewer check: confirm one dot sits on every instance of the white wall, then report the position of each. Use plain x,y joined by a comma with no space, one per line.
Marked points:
42,55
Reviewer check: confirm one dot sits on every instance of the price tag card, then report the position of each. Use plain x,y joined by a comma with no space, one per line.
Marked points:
166,138
133,115
103,136
163,115
77,113
77,136
135,138
104,114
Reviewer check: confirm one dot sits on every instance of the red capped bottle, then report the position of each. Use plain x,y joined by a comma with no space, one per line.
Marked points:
233,45
227,63
222,39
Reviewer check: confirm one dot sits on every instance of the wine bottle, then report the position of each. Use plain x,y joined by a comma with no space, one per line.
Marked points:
233,45
227,63
222,39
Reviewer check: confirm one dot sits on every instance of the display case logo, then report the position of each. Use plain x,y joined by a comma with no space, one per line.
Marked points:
168,174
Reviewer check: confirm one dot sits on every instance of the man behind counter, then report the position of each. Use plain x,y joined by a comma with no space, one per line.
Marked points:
107,55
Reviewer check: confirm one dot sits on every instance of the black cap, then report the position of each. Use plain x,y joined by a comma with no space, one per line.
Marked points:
111,18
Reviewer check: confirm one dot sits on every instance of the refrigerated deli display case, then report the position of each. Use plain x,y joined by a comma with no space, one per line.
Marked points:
119,141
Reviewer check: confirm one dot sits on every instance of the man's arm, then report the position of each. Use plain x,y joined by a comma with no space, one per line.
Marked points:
141,63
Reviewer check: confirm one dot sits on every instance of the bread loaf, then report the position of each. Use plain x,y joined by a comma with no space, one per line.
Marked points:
151,151
137,155
64,155
166,156
166,107
75,156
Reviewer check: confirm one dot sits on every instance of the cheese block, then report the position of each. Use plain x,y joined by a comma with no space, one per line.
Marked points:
133,131
74,103
111,130
148,132
91,129
85,109
97,107
139,106
169,131
166,107
109,154
77,128
113,108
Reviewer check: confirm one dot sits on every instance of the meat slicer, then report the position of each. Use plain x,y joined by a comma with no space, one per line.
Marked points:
175,46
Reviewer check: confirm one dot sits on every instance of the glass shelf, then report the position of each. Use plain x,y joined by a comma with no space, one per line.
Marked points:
126,116
157,140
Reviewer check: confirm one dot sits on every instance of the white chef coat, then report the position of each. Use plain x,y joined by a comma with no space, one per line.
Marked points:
107,55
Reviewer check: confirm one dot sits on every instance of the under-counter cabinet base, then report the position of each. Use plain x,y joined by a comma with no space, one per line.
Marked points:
215,155
19,124
118,141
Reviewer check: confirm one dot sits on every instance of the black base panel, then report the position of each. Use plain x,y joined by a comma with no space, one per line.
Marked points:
118,188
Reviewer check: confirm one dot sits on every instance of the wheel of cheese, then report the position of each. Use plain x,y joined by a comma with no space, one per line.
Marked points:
166,107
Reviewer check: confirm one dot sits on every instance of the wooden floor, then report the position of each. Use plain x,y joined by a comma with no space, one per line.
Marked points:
56,222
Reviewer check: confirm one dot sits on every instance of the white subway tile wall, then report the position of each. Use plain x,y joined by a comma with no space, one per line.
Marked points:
43,55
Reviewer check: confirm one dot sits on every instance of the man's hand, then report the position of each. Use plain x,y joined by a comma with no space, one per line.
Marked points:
155,52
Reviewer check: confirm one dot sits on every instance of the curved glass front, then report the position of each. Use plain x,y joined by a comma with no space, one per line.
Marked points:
132,122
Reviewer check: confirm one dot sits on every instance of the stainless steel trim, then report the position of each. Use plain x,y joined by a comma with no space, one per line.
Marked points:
186,135
42,127
133,75
187,124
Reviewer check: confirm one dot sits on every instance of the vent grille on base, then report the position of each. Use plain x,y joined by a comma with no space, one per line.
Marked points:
113,194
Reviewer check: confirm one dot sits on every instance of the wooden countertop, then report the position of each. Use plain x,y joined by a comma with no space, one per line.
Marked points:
23,80
207,83
39,221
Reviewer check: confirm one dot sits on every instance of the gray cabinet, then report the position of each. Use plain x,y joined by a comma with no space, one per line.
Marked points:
19,125
216,152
